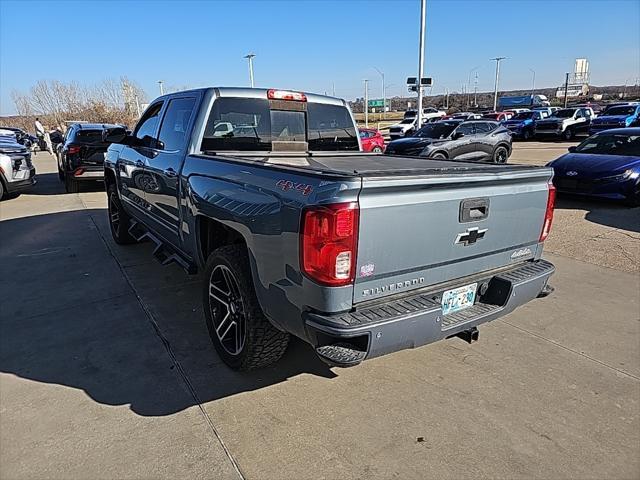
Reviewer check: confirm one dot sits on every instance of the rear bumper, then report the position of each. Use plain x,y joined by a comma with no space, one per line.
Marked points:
415,320
93,172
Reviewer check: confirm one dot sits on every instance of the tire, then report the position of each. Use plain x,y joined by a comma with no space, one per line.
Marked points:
634,199
119,220
2,190
526,135
439,156
376,150
241,334
71,184
500,154
567,134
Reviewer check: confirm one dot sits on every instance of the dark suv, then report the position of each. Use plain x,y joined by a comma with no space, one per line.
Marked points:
473,141
81,154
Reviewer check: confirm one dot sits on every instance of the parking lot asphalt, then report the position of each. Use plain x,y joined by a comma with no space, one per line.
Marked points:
107,371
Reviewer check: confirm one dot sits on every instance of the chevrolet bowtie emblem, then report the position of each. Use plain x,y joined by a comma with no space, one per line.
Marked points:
472,235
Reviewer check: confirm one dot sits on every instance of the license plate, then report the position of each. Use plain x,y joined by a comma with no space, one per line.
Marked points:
459,298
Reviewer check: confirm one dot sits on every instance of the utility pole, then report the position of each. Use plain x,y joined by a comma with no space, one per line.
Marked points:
475,91
468,88
423,15
533,83
384,97
250,58
333,88
447,97
160,83
495,88
366,103
138,105
566,88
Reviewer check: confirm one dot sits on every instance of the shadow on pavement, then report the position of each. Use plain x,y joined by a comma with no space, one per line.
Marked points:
603,212
126,335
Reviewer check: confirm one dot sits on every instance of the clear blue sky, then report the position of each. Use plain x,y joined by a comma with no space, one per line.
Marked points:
308,45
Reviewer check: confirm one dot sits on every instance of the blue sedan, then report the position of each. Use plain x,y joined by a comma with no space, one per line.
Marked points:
605,165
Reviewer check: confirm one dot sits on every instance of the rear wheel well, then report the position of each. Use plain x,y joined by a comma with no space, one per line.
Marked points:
213,235
440,152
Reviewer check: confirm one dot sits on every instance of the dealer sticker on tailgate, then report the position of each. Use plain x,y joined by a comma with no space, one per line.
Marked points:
459,298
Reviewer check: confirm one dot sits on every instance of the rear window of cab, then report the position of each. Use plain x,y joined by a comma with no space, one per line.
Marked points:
253,124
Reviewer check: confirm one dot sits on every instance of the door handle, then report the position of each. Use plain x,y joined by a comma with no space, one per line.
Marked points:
170,172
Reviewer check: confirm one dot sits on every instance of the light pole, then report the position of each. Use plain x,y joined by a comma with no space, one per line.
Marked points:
366,102
160,83
384,97
250,58
566,88
495,88
533,83
469,85
423,15
475,91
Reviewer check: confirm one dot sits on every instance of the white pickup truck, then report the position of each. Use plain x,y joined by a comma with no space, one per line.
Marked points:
408,125
566,123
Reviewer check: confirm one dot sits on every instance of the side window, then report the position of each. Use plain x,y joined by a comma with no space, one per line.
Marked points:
149,122
587,112
175,123
466,128
482,127
579,114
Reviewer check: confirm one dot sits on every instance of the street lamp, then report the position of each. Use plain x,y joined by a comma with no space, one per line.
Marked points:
533,84
468,88
495,88
423,15
160,82
250,58
366,102
384,97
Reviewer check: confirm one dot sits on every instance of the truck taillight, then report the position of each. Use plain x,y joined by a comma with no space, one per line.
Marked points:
548,215
273,94
328,242
73,149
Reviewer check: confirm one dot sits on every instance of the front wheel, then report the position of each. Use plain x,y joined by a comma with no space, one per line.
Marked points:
568,134
439,156
241,334
501,154
377,150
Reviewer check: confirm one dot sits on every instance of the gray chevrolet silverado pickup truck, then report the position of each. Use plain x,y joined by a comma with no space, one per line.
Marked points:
294,231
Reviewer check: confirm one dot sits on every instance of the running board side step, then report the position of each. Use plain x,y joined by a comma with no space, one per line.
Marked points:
340,355
162,253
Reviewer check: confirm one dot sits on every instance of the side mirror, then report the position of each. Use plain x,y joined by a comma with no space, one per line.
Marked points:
114,135
457,135
572,149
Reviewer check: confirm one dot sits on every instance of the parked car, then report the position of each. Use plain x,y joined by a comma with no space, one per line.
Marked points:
473,141
523,125
17,173
371,140
606,165
428,114
565,123
80,156
546,111
296,232
621,116
497,116
516,111
404,128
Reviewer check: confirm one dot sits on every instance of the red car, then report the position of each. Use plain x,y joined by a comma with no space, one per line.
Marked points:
372,140
498,116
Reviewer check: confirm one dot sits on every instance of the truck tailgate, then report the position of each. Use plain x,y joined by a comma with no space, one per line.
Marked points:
423,230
